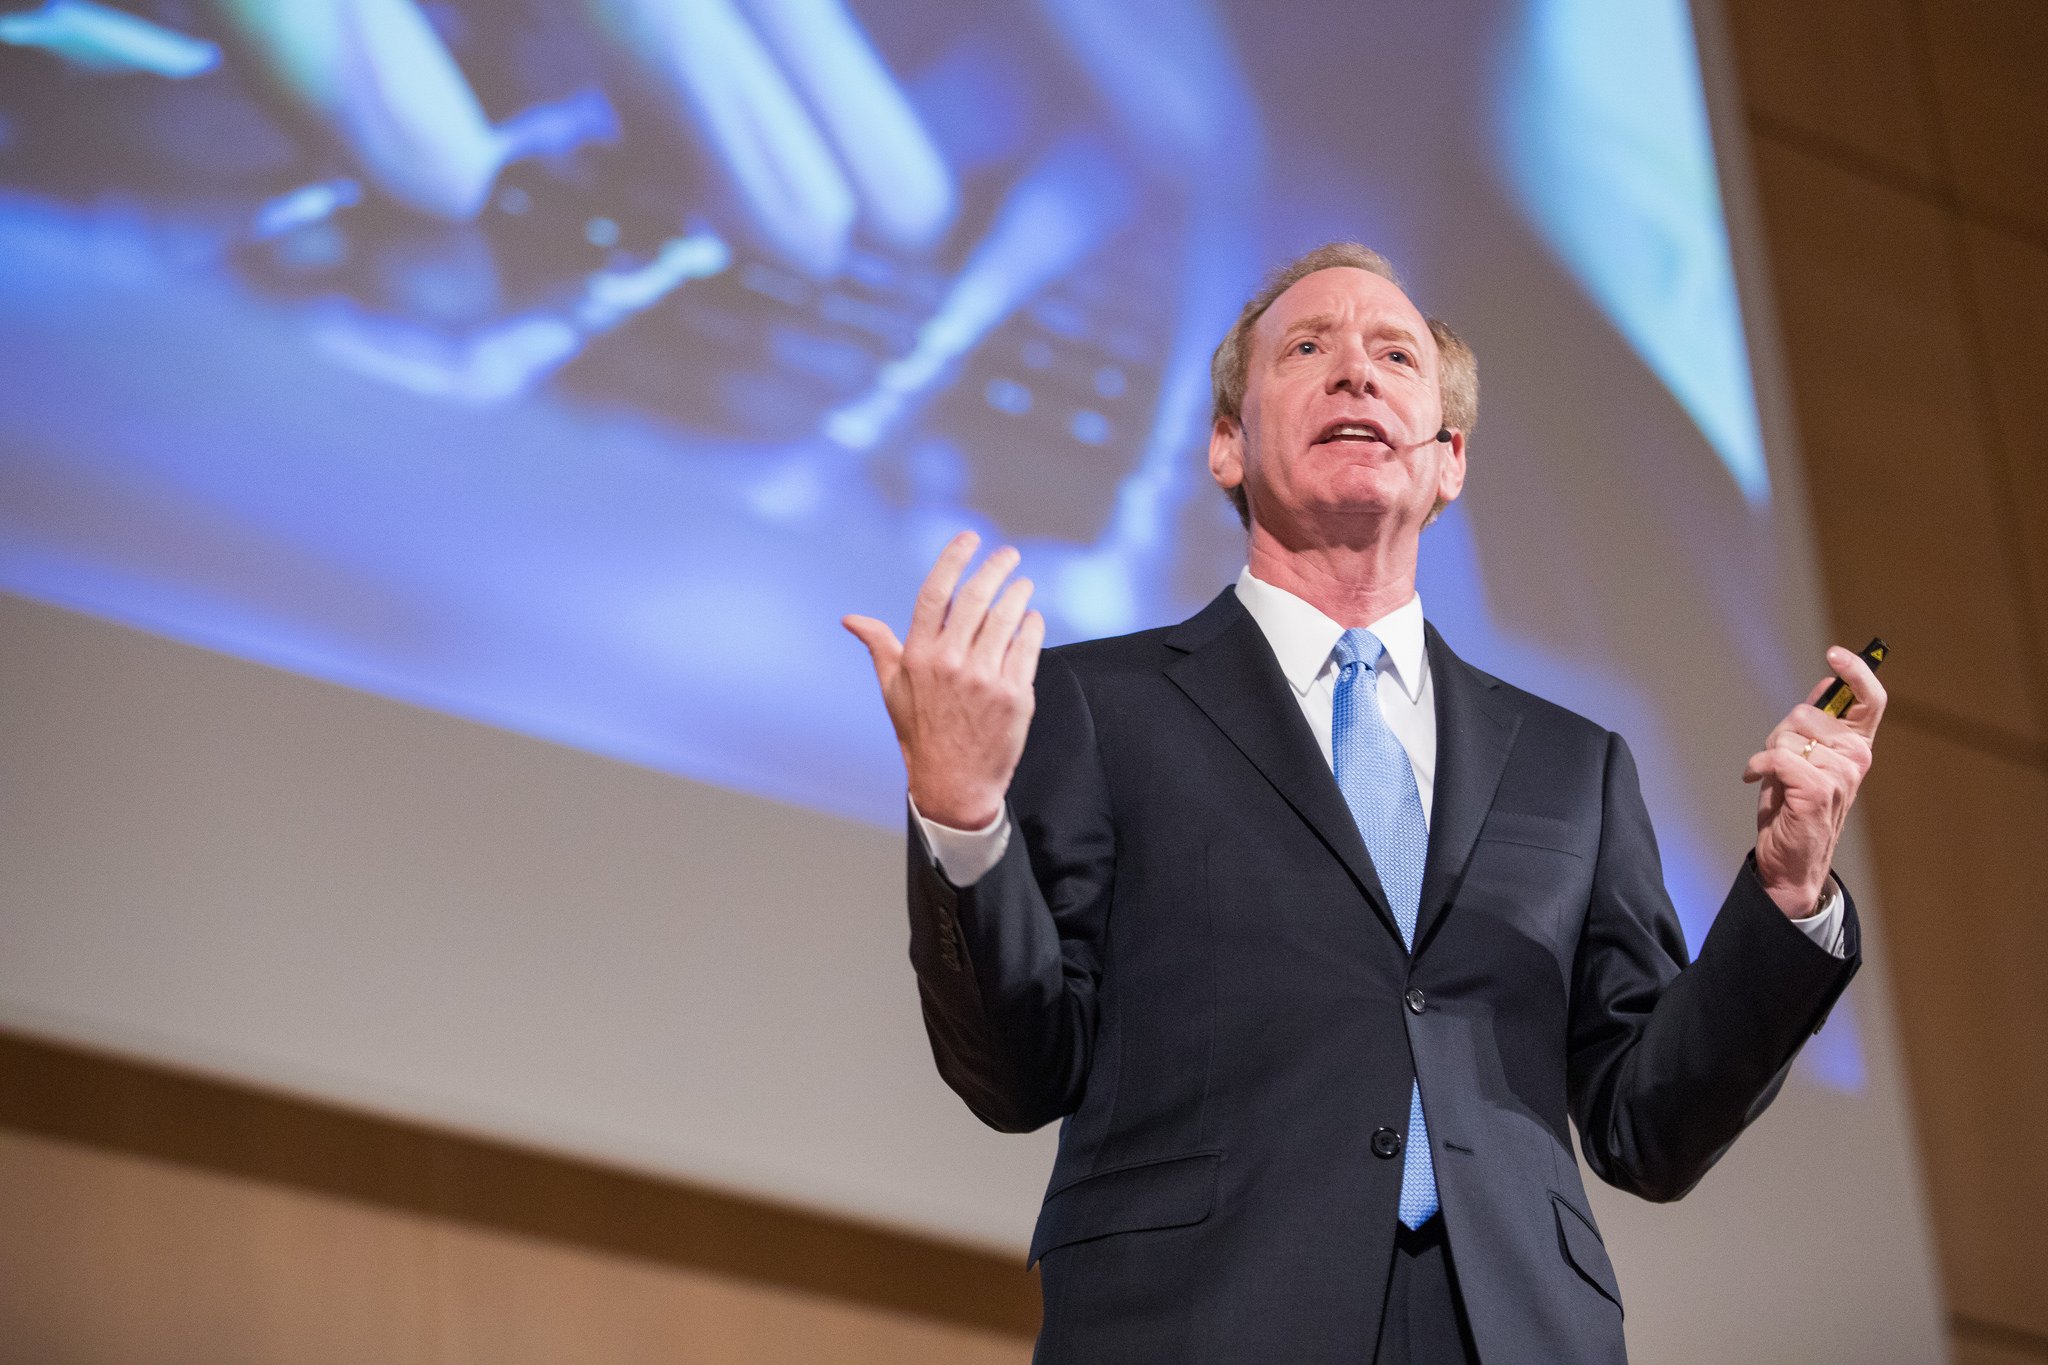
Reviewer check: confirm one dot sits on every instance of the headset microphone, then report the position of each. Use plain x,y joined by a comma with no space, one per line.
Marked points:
1443,434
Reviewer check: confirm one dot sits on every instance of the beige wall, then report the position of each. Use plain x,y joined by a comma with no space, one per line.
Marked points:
110,1257
158,1219
1901,155
118,1258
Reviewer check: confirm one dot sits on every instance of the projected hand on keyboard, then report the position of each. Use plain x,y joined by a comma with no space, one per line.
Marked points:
799,133
982,291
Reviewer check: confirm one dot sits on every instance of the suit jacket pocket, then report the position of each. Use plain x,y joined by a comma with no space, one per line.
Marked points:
1169,1192
1583,1248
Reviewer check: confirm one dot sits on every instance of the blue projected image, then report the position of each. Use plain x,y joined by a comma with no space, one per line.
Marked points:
1605,126
573,365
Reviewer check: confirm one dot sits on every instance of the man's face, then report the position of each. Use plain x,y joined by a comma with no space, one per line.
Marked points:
1342,403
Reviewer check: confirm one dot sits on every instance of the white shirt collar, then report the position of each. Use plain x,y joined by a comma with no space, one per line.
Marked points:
1303,638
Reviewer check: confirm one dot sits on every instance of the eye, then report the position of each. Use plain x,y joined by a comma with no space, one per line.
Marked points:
1304,347
1400,357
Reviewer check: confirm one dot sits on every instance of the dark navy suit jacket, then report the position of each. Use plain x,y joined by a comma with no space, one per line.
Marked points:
1185,954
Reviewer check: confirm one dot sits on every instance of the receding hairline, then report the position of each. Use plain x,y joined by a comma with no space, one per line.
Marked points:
1325,321
1230,364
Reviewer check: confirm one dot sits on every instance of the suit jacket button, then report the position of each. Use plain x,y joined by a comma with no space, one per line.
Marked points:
1415,1000
1386,1143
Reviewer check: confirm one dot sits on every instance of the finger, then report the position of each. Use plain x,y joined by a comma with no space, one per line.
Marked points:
1791,739
1795,767
1798,726
1833,736
906,191
929,615
970,603
1818,724
703,67
422,137
1020,664
1800,749
883,647
1001,623
1779,759
1835,766
1848,761
1804,722
1868,709
1783,766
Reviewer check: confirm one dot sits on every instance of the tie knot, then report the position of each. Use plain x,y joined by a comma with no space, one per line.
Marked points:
1359,646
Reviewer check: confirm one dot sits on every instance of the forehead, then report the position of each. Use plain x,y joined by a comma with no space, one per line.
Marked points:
1356,299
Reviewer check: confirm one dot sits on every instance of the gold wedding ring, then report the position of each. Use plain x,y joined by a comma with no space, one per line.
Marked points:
1809,747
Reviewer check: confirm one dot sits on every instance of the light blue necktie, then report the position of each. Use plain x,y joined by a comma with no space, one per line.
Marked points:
1378,784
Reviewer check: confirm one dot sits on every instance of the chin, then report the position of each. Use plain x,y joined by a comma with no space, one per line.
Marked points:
1348,512
1362,496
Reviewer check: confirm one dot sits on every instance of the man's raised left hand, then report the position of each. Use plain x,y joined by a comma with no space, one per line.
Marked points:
1810,768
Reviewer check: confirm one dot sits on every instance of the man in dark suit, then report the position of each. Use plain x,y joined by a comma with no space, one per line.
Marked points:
1315,935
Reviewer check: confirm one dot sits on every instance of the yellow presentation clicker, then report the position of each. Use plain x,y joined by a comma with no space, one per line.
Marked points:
1837,698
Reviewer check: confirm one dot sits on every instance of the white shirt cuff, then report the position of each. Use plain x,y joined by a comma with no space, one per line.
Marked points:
964,856
1824,926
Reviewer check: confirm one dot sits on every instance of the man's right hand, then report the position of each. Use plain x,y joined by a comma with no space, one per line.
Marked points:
959,688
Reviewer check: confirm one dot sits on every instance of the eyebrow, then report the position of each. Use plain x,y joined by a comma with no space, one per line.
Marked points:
1323,322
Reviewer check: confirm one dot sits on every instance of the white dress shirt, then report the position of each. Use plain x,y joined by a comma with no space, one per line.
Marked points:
1303,641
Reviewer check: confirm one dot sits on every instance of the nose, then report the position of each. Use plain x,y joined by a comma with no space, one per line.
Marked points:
1351,371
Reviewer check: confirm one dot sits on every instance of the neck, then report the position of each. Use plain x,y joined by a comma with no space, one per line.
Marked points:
1352,584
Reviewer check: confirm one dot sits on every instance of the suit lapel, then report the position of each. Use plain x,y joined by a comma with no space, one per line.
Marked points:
1475,729
1229,671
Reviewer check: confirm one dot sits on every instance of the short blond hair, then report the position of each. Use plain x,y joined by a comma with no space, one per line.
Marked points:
1230,367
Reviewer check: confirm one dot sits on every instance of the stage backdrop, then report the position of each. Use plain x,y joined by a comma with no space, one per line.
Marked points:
544,380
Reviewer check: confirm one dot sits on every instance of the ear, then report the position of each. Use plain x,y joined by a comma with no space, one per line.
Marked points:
1450,471
1226,453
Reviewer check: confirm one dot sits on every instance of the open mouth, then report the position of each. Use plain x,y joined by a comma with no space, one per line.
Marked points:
1352,431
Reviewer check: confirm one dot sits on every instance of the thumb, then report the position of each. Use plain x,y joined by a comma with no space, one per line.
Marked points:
883,646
